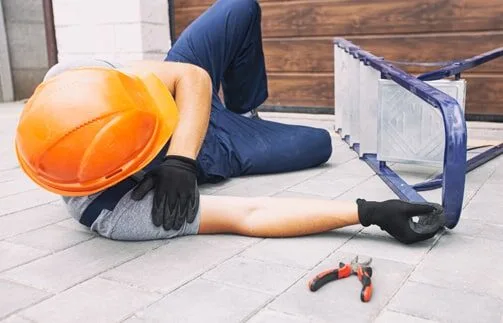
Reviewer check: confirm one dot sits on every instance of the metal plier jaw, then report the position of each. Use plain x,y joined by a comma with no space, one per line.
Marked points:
361,269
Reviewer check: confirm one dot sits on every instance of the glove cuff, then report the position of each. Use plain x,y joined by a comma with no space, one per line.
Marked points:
186,160
364,212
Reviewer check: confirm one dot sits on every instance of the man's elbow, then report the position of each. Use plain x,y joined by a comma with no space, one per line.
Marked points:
198,76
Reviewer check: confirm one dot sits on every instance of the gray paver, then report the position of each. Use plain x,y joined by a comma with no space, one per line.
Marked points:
96,300
13,255
394,317
446,305
488,212
497,176
25,200
413,173
351,168
30,219
51,238
489,193
479,229
302,252
255,275
266,185
372,189
270,316
461,262
384,246
15,297
66,268
16,319
341,154
15,187
205,301
328,187
12,175
289,194
134,319
184,259
340,300
74,225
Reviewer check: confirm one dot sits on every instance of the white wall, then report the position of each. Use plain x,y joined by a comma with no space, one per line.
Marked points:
24,22
116,30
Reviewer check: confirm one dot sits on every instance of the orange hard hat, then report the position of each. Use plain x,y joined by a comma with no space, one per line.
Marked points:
87,129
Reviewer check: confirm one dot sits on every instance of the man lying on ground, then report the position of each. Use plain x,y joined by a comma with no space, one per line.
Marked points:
127,145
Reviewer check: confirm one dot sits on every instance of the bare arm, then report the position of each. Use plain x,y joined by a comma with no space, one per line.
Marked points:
191,87
274,217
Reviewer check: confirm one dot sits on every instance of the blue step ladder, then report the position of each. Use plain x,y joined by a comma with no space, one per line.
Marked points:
387,115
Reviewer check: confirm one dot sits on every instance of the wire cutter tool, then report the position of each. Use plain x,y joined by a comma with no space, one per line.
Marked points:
360,269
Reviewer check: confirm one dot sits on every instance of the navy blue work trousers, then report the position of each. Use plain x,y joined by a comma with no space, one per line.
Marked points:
226,41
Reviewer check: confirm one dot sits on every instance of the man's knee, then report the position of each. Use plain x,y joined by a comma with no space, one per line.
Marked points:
323,142
244,8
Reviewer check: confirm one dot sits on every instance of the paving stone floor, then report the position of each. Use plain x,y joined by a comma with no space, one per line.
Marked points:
54,270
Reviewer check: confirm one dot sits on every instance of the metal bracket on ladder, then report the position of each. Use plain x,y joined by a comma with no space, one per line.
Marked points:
386,114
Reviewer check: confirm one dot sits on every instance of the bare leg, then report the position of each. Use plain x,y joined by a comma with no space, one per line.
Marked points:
274,217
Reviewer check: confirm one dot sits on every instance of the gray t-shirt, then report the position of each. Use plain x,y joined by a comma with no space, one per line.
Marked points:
129,220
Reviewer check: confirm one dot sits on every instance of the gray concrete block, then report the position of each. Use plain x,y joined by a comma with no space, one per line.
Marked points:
479,229
393,317
15,297
27,45
12,174
134,319
27,11
74,225
270,316
96,300
339,301
464,263
25,81
232,242
341,154
13,255
289,194
484,211
51,238
413,173
154,11
205,301
496,177
25,200
446,305
155,37
329,187
351,168
373,189
303,252
64,269
183,258
489,193
30,219
382,245
254,275
267,185
15,187
8,162
16,319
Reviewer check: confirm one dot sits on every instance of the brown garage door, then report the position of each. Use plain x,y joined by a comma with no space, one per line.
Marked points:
298,42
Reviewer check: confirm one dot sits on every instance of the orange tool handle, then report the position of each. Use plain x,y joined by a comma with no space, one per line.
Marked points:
329,275
364,274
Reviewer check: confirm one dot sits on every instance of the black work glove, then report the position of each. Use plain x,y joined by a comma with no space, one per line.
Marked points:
395,217
176,195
